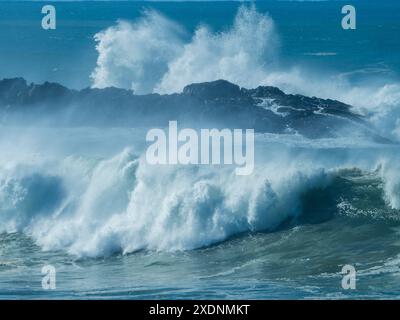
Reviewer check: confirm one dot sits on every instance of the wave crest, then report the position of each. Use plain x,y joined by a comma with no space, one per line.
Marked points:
122,204
154,55
150,55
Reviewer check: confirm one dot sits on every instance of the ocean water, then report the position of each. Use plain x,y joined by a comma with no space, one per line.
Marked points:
309,34
85,201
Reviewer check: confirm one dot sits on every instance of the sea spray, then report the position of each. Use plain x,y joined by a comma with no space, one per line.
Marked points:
120,203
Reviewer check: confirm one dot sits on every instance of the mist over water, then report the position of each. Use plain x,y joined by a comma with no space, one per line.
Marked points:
98,201
86,200
247,54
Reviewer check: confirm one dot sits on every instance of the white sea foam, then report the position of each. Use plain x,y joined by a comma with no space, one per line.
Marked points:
125,204
91,206
153,55
152,51
136,55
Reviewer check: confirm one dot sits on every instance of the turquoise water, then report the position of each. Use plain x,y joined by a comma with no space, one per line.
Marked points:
77,199
112,233
67,54
302,263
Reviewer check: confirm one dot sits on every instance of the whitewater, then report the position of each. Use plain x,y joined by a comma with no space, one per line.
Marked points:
86,200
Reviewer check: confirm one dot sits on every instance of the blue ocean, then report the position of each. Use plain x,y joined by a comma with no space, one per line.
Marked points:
78,195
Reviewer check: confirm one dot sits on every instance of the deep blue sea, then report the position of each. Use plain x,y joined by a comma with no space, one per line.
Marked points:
309,34
193,234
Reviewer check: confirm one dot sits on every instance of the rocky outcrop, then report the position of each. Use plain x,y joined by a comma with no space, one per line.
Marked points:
212,104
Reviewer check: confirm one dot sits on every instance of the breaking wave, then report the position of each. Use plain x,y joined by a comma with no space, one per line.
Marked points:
90,206
153,54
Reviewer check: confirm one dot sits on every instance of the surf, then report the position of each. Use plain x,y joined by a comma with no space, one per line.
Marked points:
247,53
92,206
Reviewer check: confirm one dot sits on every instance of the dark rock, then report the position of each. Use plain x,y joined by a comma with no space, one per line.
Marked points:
220,89
217,104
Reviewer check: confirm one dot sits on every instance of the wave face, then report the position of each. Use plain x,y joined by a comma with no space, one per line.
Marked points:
95,205
246,54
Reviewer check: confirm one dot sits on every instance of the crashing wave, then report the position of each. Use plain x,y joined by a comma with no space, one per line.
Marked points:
155,55
91,206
